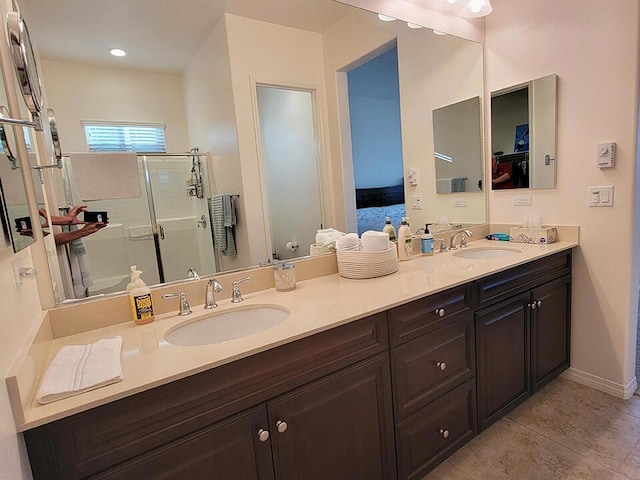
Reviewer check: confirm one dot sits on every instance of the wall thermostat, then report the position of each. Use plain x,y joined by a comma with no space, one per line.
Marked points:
606,157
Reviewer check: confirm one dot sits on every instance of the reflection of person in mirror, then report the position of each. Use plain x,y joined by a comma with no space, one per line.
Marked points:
501,174
71,218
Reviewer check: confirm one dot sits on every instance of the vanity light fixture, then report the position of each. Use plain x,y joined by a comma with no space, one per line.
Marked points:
477,8
414,25
386,18
117,52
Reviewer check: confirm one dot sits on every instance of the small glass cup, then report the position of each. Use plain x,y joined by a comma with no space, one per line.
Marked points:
284,275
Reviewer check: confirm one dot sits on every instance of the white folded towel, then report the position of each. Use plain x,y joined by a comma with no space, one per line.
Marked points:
79,368
348,242
328,237
373,241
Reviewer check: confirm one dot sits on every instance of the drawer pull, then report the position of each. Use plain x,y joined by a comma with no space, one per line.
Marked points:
282,426
444,433
539,302
263,435
533,306
442,366
440,312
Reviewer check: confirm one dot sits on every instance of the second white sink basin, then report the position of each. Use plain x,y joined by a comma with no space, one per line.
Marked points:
486,253
232,324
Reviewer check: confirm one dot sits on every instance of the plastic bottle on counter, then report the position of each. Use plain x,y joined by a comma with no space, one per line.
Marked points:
389,228
140,297
426,244
405,241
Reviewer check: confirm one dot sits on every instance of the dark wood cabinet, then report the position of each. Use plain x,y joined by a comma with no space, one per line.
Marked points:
338,428
550,331
502,340
231,449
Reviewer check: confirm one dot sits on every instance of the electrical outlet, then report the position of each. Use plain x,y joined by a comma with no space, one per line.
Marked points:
460,202
416,202
522,200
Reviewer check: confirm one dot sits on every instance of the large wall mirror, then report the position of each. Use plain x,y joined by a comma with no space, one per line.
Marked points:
523,135
219,77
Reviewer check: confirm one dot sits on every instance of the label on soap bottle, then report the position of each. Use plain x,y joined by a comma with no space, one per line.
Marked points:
141,307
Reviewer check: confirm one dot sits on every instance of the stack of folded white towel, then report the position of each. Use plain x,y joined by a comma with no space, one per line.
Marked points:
328,237
371,241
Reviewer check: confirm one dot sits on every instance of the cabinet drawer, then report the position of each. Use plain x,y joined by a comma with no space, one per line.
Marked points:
523,277
434,433
431,365
429,313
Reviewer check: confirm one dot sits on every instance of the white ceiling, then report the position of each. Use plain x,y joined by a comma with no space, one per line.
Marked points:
158,35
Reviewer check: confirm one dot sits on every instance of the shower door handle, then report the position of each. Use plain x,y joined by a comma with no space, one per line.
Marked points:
161,230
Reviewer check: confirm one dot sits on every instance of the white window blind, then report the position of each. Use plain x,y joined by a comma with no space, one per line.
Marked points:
113,137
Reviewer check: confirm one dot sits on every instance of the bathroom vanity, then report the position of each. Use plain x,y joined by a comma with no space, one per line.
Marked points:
388,394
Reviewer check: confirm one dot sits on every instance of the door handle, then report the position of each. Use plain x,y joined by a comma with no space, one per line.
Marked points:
161,230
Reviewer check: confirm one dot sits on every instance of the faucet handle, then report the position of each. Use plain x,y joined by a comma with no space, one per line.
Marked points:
443,245
185,309
236,295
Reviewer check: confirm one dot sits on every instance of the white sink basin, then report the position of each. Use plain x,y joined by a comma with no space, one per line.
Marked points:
232,324
486,253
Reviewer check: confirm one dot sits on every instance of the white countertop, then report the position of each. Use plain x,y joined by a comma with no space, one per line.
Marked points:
315,305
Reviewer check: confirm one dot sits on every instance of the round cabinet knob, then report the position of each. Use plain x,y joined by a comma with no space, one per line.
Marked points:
440,312
282,426
444,433
263,435
533,306
442,366
539,302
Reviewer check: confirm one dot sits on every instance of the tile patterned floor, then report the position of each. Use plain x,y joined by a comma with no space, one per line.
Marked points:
565,431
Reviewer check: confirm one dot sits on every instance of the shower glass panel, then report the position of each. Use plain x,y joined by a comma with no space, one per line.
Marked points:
183,236
289,155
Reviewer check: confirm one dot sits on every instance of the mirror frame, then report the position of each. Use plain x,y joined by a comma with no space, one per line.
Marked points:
26,67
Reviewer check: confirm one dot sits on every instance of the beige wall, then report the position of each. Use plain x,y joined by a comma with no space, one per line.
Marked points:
209,104
597,102
266,53
87,92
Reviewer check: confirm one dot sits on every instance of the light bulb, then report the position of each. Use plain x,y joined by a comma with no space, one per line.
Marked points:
477,8
385,18
117,52
438,32
414,25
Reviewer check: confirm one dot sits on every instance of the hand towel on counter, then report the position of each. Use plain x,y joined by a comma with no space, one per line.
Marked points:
348,242
79,368
373,241
106,176
222,209
328,237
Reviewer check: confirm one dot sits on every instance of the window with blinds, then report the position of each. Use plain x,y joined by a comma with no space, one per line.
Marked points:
114,137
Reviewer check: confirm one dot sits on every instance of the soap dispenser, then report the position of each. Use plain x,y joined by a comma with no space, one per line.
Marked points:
140,297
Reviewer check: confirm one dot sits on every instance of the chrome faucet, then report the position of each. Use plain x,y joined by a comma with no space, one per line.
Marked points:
443,245
236,295
463,239
184,303
213,286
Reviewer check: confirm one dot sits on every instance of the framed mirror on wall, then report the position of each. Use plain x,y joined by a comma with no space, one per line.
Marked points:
523,135
199,92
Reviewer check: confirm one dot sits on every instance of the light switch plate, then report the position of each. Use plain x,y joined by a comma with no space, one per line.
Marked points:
601,196
416,202
522,200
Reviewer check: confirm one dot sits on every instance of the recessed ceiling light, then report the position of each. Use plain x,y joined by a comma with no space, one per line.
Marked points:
385,18
117,52
414,25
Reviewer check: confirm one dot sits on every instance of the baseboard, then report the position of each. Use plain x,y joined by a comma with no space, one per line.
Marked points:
602,384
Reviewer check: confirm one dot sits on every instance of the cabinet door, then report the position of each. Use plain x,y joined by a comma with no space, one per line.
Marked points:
502,343
338,428
231,449
550,331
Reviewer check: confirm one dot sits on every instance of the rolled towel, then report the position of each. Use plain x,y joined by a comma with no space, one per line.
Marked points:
373,241
328,237
79,368
349,241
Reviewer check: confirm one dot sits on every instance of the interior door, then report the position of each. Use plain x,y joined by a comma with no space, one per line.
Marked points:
290,174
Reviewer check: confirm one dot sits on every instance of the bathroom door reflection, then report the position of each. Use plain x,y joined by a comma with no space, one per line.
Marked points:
289,157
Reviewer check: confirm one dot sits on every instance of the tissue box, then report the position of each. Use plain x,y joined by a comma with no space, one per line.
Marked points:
541,235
